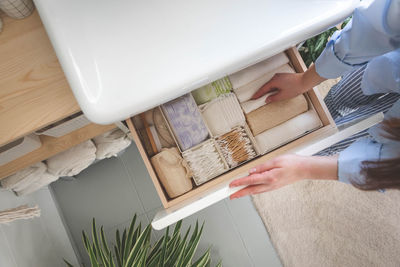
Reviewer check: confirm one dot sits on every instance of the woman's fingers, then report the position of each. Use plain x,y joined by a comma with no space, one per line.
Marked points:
266,166
253,179
266,88
251,190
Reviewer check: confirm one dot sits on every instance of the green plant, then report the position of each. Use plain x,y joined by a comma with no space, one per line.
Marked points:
313,47
133,248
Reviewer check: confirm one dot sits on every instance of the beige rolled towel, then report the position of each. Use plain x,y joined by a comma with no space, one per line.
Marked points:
173,172
288,131
273,114
24,177
110,143
255,71
222,114
245,92
72,161
252,105
42,181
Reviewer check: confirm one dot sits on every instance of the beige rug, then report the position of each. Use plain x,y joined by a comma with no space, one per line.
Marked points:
326,223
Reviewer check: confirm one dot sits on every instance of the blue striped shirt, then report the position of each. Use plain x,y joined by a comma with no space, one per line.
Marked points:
371,38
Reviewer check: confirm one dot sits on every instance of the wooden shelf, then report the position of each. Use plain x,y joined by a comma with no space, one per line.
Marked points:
33,90
52,146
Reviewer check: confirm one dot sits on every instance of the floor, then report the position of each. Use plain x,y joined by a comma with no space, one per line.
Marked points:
113,190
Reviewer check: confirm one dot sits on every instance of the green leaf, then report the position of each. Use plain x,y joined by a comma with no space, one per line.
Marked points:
219,264
111,260
123,246
203,260
118,256
142,240
104,241
96,245
155,250
128,244
164,248
67,263
192,248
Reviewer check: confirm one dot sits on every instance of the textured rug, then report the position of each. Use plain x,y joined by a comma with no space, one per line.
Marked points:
327,223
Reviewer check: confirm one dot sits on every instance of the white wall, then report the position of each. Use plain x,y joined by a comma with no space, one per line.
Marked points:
37,242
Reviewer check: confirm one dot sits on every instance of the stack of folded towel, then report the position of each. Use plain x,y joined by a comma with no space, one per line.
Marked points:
222,114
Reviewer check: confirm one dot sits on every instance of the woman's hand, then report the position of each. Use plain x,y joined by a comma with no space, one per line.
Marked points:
289,85
284,170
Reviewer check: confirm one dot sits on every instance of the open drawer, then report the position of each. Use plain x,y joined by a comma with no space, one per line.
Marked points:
216,189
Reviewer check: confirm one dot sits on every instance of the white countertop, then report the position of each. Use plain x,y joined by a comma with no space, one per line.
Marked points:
123,57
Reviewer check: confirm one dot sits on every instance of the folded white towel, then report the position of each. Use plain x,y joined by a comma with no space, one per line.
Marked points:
245,92
251,105
222,114
72,161
24,177
110,143
42,181
288,131
254,72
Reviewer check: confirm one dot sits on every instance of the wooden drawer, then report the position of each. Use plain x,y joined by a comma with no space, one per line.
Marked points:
217,188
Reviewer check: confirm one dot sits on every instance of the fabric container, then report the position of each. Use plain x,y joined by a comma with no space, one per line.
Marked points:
222,114
173,172
288,131
236,147
186,121
205,162
211,91
17,9
255,71
273,114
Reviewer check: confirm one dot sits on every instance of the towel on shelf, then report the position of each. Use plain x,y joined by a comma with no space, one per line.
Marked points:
72,161
273,114
43,180
18,213
173,172
24,177
245,92
255,71
252,105
288,131
211,91
111,143
186,122
236,146
222,114
204,161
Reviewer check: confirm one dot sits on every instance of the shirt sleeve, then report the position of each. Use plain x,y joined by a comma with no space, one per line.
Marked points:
367,35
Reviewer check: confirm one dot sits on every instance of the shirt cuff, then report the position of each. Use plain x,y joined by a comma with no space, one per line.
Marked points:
350,159
328,65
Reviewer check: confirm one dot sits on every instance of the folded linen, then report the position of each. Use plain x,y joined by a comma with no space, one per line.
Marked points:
273,114
72,161
251,105
222,114
111,143
288,131
245,92
204,161
42,181
186,122
236,146
213,90
24,177
173,172
255,71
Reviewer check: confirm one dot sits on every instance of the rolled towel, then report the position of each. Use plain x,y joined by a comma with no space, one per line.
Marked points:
24,177
288,131
211,91
204,161
42,181
255,71
245,92
273,114
72,161
110,143
252,105
222,114
173,172
186,122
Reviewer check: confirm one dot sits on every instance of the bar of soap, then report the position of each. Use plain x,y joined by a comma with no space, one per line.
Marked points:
288,131
273,114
